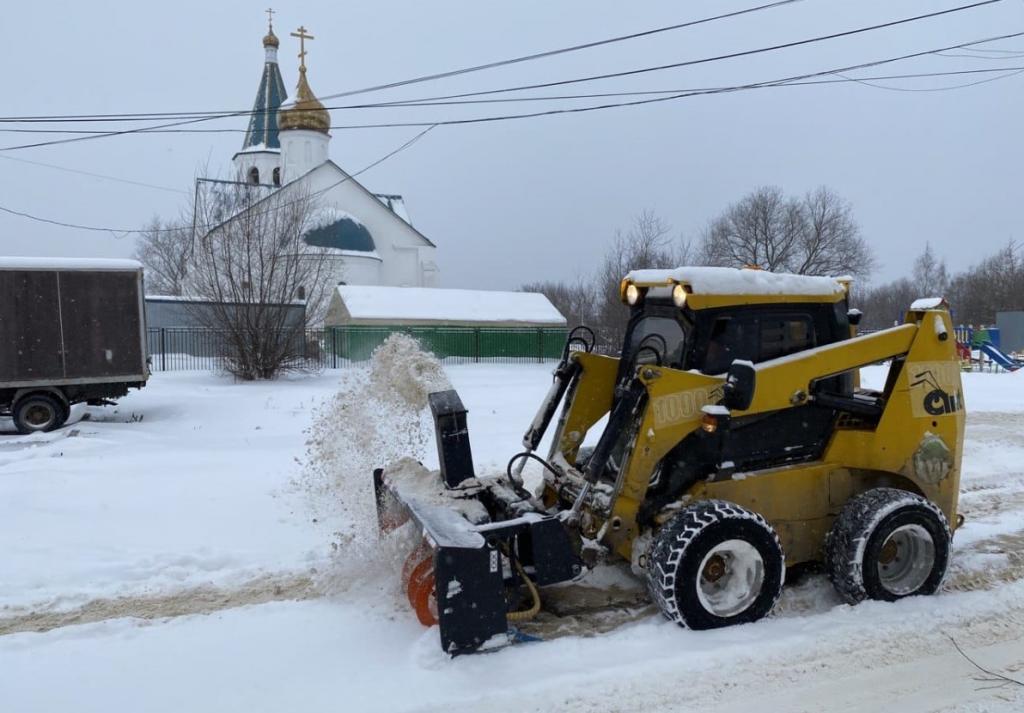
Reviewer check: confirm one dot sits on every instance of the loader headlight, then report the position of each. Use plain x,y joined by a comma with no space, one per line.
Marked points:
679,296
632,294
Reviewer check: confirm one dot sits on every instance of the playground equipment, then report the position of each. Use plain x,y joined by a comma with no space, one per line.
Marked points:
984,341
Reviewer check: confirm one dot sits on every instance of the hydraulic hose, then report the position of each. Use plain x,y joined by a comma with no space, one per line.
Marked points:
525,614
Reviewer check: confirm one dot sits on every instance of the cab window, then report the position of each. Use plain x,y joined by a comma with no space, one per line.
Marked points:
756,338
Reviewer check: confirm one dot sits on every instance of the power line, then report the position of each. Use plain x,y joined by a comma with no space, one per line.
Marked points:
632,72
1011,71
869,83
118,232
450,73
717,58
94,175
797,80
786,81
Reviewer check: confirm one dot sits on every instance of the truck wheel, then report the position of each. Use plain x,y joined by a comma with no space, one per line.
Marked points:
39,412
715,564
887,544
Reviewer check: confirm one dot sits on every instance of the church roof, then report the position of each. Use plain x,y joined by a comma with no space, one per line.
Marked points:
395,207
306,112
262,131
338,230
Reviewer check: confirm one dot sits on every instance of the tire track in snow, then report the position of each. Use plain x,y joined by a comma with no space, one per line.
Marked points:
185,602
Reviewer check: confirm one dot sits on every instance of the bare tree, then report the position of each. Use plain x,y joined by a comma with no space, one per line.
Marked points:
830,242
574,300
885,305
930,276
250,269
163,249
814,235
647,244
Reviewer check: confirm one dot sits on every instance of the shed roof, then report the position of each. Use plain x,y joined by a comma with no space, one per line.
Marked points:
372,304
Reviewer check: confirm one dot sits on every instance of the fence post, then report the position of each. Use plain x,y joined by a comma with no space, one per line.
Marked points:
163,349
334,347
540,345
476,344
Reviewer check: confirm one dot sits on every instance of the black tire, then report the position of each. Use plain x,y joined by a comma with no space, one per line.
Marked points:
887,544
38,412
688,584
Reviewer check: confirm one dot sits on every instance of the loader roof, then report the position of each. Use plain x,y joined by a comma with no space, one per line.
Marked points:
725,286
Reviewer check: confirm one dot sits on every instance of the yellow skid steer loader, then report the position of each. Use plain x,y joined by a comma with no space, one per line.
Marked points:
736,442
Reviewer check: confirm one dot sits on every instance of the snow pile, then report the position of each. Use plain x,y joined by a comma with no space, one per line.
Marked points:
378,417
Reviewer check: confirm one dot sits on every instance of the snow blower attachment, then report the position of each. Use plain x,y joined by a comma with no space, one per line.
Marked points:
737,442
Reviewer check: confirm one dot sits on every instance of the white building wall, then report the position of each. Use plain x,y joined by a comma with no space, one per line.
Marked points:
302,150
405,259
265,162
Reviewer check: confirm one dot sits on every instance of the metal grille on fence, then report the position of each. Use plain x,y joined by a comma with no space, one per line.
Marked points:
193,348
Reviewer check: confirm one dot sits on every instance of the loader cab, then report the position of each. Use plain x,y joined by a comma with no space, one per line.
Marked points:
708,340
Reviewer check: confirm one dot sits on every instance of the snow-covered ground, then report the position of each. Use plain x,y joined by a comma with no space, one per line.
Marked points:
163,556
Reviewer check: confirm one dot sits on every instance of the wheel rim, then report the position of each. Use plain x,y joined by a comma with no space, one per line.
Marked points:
906,559
38,416
731,577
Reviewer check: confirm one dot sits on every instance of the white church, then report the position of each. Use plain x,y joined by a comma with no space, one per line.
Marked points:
287,147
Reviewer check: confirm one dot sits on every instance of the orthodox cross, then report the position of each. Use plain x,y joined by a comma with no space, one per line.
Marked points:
301,34
270,17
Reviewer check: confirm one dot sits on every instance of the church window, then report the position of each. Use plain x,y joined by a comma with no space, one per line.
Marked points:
254,176
277,176
302,293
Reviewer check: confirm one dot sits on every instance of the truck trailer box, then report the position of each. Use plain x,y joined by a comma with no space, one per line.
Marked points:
73,328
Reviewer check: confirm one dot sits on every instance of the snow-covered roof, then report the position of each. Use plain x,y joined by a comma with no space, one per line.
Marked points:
373,304
68,263
336,229
741,281
396,204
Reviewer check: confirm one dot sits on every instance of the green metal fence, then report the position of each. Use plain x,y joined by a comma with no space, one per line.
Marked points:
191,348
453,344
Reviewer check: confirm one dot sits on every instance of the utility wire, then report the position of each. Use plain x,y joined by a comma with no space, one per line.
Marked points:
632,72
120,233
871,84
94,175
1010,71
450,73
717,58
786,81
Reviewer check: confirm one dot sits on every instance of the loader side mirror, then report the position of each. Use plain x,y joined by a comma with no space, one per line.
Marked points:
738,390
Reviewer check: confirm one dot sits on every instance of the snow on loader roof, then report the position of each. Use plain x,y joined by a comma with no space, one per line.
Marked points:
741,281
366,304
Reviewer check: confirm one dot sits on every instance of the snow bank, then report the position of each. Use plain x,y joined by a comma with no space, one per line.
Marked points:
733,281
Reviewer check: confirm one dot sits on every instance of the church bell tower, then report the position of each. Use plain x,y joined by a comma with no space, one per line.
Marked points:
259,161
304,124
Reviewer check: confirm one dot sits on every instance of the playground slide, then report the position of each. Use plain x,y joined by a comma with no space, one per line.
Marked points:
996,354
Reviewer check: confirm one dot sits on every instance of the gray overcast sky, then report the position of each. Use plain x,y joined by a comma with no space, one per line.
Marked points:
517,201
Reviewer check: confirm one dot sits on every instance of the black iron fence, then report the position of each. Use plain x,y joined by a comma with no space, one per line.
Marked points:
195,348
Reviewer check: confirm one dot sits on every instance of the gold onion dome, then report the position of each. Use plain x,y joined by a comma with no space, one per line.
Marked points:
270,39
306,112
